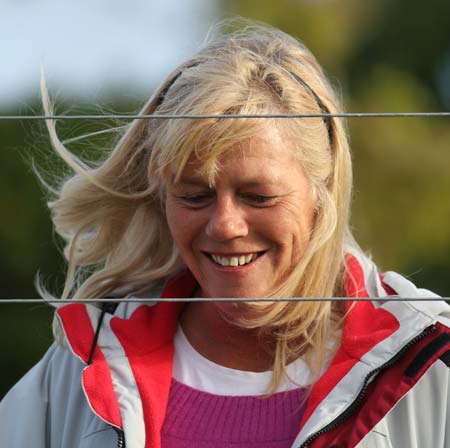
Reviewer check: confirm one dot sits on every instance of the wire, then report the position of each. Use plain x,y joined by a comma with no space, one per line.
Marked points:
227,299
225,116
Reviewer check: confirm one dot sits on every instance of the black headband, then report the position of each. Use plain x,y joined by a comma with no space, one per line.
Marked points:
164,91
323,109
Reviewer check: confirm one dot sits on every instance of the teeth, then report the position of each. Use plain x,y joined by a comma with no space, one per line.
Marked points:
240,260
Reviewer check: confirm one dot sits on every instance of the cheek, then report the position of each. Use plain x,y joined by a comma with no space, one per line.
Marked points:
294,230
175,216
170,216
183,224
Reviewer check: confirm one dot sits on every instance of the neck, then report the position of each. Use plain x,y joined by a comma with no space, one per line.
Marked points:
210,329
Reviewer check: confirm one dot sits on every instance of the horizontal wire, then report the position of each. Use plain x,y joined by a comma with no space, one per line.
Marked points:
209,116
227,299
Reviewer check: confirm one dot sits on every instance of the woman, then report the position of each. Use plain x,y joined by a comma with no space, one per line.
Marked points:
237,208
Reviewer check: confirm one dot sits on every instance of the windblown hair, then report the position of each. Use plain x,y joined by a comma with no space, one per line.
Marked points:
112,215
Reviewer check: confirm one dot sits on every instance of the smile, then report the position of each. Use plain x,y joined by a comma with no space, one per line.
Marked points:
235,260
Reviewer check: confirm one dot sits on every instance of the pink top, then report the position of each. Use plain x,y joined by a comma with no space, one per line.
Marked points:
200,419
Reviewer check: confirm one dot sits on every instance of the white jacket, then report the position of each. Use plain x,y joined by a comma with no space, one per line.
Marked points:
386,387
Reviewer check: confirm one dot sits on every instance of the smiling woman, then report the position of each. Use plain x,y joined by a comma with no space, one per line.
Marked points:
244,207
233,245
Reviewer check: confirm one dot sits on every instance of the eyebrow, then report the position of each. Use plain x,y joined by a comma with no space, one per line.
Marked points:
250,183
194,181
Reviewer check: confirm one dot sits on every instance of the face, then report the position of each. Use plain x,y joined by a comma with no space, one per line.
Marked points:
243,236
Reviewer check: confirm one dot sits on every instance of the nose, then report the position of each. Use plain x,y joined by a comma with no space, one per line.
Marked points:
227,221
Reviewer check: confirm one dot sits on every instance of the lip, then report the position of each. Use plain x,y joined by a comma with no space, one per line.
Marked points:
236,269
233,254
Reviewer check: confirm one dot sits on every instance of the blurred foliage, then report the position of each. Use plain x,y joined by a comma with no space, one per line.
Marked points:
383,55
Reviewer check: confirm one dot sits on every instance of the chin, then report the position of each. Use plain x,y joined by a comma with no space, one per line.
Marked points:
235,293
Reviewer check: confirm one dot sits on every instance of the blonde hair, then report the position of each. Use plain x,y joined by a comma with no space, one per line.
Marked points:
111,215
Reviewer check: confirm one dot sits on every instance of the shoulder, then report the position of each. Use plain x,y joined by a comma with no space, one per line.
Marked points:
57,366
409,404
421,417
41,392
49,399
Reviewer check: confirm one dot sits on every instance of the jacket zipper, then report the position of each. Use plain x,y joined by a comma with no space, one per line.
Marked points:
360,397
120,438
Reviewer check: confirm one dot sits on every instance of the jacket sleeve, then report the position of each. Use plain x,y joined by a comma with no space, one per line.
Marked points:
34,412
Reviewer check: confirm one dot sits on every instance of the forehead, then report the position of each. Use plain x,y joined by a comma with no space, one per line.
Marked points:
266,157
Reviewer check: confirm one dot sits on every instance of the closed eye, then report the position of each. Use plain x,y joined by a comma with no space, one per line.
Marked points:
258,199
198,200
194,200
